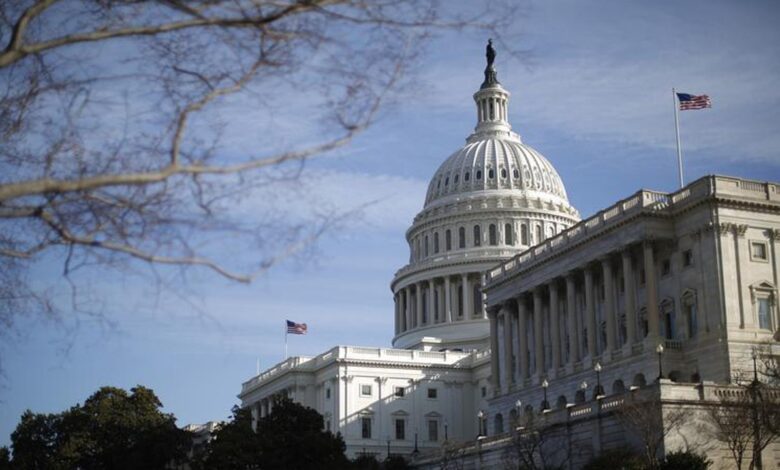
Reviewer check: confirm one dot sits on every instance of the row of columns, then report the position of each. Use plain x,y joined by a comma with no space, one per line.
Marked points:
409,302
519,317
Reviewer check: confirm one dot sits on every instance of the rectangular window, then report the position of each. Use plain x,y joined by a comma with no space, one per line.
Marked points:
433,430
433,393
763,314
399,391
400,429
758,251
327,393
687,258
365,424
365,390
666,267
484,392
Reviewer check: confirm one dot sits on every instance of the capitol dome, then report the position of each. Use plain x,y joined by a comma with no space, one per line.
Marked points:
490,200
495,164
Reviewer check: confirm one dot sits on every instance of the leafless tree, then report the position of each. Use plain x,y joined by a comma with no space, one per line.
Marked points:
113,112
746,421
536,445
650,420
453,456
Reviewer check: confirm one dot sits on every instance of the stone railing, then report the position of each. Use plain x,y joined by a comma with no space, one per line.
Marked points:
305,364
641,201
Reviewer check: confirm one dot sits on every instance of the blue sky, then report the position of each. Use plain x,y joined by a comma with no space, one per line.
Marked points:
592,94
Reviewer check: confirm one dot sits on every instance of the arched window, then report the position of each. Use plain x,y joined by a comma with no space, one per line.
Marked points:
456,178
466,176
516,173
462,237
498,424
425,307
460,302
513,417
639,380
668,320
561,403
417,253
426,246
538,235
477,236
503,172
491,173
579,397
436,242
523,234
509,239
447,181
479,174
448,240
493,235
618,386
438,184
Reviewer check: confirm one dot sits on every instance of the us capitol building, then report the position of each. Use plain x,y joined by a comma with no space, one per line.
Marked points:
512,306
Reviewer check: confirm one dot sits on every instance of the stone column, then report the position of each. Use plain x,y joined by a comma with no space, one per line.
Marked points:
538,349
495,379
419,306
630,298
408,306
571,311
507,349
590,314
522,338
651,294
468,304
609,307
447,300
431,293
397,317
555,330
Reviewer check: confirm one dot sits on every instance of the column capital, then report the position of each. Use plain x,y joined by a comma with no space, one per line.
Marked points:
494,310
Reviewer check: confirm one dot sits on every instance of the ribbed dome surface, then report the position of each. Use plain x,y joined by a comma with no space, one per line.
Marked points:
497,163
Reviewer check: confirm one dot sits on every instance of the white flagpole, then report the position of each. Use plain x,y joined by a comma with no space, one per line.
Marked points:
677,129
285,340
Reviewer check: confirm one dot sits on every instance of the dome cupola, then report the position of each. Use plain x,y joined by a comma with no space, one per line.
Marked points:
490,200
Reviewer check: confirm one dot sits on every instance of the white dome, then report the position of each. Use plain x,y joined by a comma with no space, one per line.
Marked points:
496,164
492,199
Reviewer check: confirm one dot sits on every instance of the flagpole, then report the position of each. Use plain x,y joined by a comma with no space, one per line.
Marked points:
285,340
677,130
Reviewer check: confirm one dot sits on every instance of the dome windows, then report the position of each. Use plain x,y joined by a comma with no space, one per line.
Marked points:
436,242
466,176
503,172
479,174
477,236
516,173
446,181
456,178
508,234
462,237
524,234
491,173
426,246
493,235
448,240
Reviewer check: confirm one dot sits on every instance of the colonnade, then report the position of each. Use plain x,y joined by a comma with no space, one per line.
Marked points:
551,329
438,300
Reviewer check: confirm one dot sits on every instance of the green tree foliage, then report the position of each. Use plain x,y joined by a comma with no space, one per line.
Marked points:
685,460
112,429
5,458
291,437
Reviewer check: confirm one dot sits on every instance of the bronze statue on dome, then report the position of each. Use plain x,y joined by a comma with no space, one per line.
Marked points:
490,53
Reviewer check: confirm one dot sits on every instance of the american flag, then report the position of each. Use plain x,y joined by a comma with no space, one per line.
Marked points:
296,328
693,102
